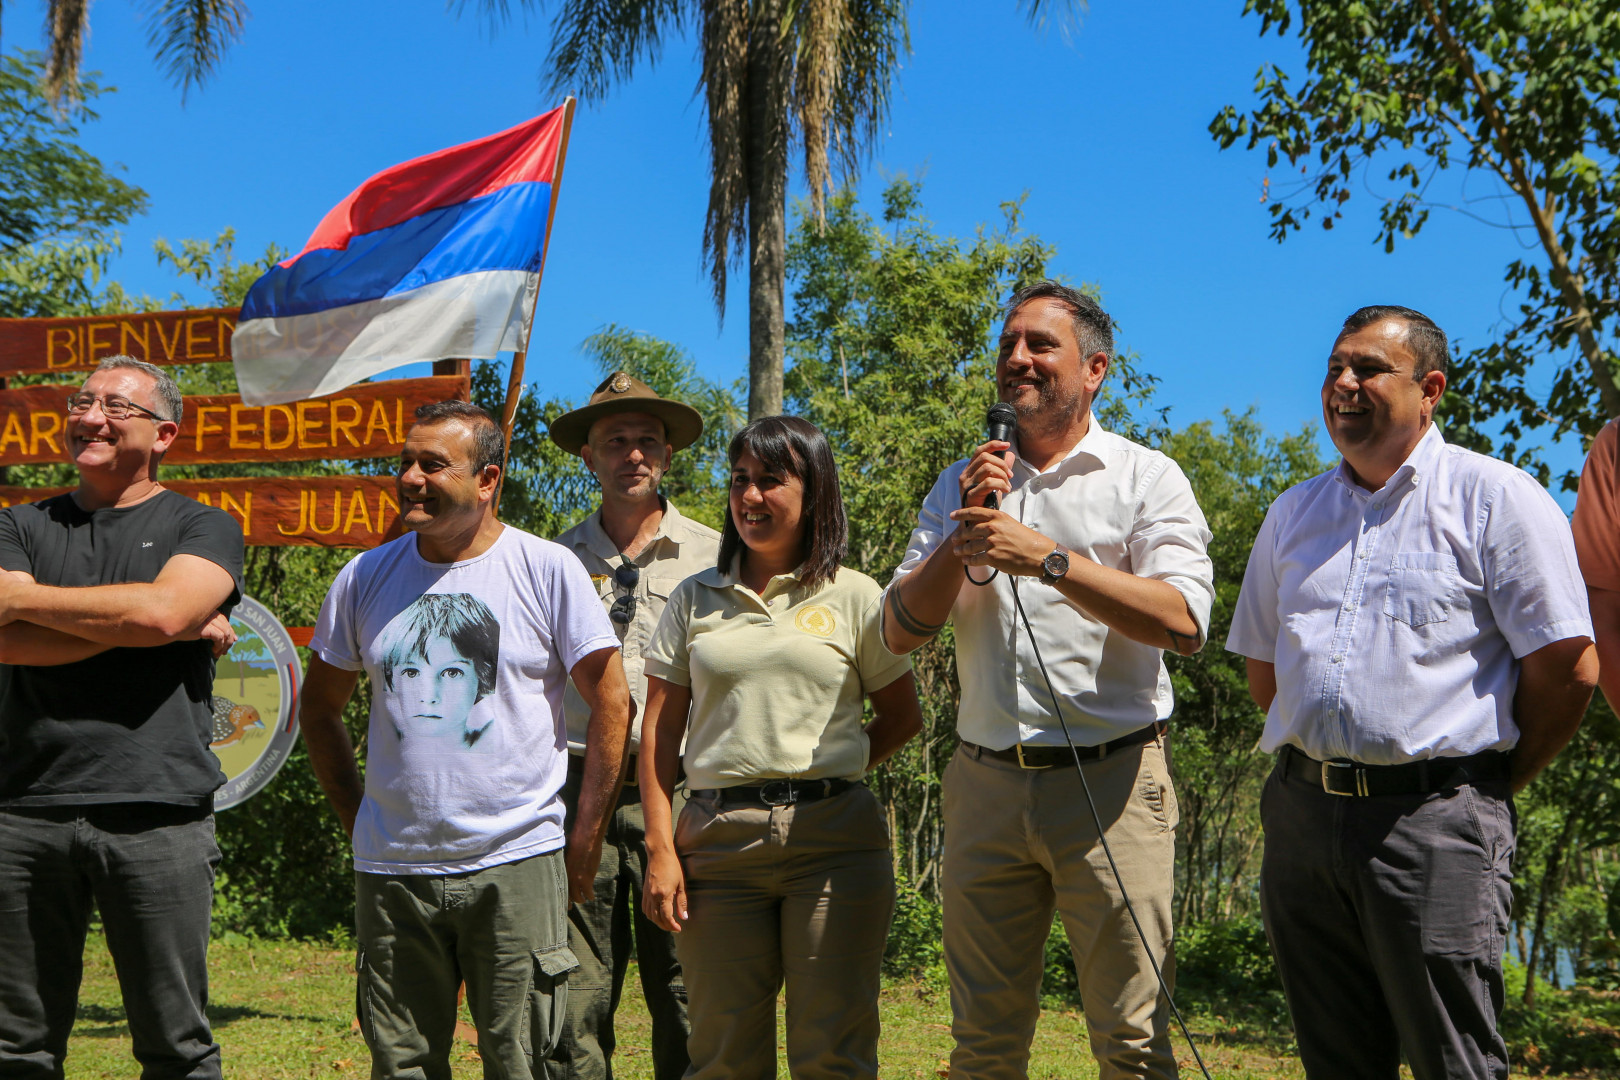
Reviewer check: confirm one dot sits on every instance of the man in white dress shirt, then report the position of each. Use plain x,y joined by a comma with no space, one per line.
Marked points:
1102,542
1417,631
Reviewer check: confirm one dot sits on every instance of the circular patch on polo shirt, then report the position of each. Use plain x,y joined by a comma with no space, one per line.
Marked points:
817,620
254,687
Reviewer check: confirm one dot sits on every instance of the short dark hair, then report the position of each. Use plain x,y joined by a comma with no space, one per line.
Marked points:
1093,329
489,445
1430,350
792,445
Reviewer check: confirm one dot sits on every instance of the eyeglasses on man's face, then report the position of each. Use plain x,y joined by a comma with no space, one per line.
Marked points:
627,574
113,407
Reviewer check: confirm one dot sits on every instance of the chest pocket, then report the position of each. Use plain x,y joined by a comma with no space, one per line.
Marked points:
1423,587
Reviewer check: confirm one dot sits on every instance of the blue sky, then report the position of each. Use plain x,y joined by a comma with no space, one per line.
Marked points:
1104,128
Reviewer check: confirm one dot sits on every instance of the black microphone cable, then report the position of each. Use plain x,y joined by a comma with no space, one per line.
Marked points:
1103,836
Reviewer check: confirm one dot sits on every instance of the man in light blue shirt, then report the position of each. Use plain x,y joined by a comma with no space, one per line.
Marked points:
1416,628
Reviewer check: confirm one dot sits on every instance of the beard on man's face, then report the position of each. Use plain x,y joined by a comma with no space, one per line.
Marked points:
1050,403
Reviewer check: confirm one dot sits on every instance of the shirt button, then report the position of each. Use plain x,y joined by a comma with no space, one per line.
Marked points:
1362,554
1336,659
1348,606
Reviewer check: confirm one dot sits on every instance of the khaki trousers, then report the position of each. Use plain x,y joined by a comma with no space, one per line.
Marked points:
1019,843
796,895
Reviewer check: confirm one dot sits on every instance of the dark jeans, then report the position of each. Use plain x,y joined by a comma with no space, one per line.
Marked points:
150,870
1388,916
602,934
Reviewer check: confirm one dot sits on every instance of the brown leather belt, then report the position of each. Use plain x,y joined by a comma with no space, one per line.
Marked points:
1046,757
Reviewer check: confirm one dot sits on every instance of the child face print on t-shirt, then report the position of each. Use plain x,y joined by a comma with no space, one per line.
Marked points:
436,691
439,660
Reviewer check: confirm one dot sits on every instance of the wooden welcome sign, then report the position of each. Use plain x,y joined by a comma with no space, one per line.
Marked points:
277,511
367,420
38,346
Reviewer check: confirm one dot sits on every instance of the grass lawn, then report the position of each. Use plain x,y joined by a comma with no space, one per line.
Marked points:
286,1010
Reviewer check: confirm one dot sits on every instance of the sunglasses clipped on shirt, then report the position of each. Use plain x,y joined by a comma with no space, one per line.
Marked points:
627,574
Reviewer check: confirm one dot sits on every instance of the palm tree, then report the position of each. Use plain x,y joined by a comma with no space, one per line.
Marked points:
770,70
187,37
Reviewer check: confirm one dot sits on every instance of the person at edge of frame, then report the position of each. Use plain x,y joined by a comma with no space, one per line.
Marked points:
1596,525
468,630
637,547
114,605
1415,628
1107,551
778,876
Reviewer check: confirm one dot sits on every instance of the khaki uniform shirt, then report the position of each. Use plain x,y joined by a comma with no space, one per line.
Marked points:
679,549
778,680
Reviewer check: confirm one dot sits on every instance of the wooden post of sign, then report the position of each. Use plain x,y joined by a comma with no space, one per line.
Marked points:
459,368
514,382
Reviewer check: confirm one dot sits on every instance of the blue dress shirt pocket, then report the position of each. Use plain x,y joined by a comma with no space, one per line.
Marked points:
1423,587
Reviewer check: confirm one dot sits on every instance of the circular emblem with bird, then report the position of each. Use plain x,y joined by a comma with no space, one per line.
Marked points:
255,684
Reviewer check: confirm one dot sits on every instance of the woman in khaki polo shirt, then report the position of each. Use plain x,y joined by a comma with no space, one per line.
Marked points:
778,871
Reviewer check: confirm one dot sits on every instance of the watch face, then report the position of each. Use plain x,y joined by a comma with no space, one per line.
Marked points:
1056,564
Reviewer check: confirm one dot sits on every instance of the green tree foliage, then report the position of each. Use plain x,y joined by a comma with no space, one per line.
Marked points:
60,206
1525,93
1237,472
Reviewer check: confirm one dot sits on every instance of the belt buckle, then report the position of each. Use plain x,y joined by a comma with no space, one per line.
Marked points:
1358,778
1023,765
777,793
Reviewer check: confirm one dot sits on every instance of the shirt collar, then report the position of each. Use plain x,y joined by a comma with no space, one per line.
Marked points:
1419,463
1090,444
716,578
602,546
670,527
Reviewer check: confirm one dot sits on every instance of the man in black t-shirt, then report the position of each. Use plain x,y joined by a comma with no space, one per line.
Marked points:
113,606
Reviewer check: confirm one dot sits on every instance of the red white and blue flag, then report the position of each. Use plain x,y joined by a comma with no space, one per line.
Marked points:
435,259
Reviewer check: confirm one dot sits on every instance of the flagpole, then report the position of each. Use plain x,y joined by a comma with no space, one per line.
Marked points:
514,381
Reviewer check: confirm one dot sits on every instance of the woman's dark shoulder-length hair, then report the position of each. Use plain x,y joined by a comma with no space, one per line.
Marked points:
790,445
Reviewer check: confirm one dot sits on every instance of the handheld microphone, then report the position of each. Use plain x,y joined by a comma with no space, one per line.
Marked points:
1000,422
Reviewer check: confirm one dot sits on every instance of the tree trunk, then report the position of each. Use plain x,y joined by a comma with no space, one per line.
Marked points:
766,154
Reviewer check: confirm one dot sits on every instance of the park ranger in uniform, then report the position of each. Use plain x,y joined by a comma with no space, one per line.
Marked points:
637,548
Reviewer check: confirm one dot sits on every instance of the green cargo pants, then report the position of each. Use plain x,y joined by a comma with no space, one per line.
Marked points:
503,930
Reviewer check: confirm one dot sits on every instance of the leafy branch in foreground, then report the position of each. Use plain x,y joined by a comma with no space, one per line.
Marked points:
1525,93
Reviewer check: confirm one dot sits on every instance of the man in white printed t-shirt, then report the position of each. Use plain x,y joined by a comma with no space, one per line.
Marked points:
469,631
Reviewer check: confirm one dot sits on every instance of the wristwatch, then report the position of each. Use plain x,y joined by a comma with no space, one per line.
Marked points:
1055,566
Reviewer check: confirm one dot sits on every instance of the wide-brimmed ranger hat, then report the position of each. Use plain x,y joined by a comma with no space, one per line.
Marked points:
622,393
